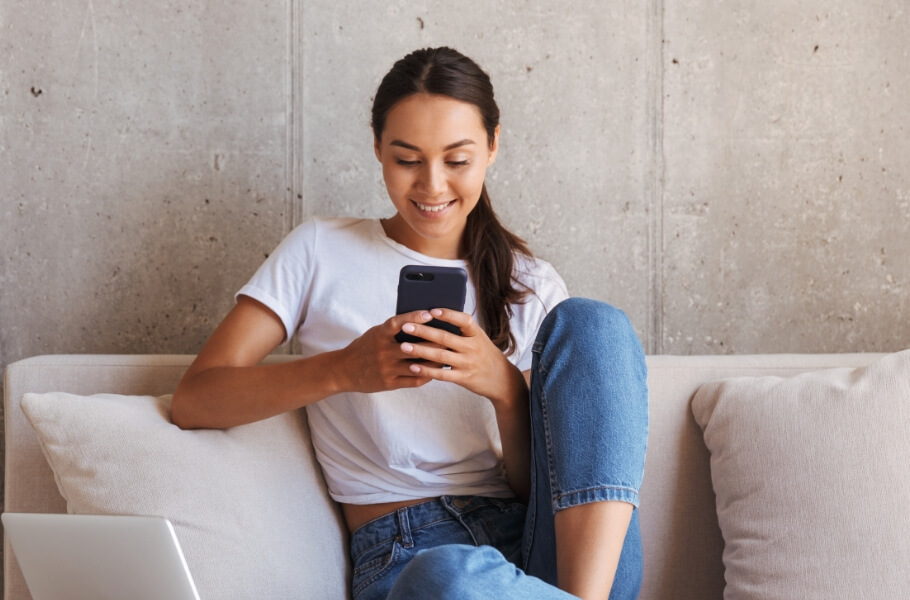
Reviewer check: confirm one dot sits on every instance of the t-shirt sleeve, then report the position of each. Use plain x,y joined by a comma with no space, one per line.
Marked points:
547,290
282,282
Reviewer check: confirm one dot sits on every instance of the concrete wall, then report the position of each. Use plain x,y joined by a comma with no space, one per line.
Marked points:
732,174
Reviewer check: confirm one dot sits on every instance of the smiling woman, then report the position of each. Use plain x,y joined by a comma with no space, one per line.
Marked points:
462,447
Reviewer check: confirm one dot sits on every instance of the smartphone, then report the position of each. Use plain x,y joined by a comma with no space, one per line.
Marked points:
422,287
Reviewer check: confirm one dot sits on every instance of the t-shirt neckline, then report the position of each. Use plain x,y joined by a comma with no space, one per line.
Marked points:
380,233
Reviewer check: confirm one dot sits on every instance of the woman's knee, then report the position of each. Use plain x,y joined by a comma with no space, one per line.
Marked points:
591,327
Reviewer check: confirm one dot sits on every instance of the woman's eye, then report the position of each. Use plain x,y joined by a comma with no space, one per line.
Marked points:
415,163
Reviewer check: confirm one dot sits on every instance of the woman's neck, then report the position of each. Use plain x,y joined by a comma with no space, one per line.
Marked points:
398,230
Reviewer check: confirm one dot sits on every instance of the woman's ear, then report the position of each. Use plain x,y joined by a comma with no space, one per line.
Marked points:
494,147
376,148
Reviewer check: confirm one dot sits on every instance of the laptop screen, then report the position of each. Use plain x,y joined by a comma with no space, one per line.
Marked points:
96,557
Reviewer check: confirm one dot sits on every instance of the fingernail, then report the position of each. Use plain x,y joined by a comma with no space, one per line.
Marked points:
436,312
406,347
414,369
426,315
408,328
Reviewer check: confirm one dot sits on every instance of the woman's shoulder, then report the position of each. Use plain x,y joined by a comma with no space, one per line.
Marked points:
328,227
320,223
310,238
541,279
532,268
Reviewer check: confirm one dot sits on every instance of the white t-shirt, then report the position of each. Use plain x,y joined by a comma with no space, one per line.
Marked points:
332,279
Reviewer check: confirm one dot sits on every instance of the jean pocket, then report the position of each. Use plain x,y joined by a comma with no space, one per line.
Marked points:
373,565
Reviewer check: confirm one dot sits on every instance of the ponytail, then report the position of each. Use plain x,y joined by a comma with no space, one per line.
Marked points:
490,251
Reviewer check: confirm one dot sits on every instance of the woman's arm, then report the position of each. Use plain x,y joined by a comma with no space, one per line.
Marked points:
514,421
479,366
225,386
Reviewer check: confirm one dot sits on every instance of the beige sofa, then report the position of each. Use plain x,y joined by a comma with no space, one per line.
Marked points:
682,540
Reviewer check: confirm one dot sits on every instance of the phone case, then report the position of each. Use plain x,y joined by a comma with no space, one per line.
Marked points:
422,287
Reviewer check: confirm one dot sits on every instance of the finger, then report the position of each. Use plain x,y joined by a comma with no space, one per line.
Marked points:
427,353
435,337
437,373
463,321
417,316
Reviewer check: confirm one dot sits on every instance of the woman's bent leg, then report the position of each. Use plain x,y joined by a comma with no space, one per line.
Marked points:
589,416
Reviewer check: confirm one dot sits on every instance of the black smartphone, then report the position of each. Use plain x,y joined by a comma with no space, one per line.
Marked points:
422,287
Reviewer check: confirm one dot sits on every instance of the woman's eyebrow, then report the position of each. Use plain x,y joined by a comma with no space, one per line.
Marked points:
459,144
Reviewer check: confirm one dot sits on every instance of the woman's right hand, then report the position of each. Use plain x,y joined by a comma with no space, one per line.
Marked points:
374,362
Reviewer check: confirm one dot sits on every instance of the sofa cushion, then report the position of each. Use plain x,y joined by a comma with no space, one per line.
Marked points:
248,503
812,481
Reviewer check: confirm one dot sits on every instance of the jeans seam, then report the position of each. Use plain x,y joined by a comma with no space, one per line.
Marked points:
495,502
397,538
621,488
626,488
531,527
545,418
393,559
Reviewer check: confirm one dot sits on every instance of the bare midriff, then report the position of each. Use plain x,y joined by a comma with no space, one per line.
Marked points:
356,515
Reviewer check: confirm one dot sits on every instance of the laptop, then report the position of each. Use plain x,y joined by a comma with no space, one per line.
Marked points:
95,557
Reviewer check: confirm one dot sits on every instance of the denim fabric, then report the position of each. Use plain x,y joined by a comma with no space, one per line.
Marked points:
589,421
463,572
381,548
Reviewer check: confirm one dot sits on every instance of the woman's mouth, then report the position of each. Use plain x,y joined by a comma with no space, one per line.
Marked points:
433,208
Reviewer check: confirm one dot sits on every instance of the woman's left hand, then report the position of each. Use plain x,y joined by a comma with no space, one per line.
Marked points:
475,362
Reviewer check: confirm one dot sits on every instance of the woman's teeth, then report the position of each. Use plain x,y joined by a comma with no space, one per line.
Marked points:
428,208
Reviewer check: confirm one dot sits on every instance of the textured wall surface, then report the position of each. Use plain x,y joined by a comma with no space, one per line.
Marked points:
735,175
732,175
786,204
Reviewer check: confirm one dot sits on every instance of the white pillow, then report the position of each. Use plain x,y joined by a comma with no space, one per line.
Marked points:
248,503
812,478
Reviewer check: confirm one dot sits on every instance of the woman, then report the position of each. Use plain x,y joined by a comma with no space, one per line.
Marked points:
526,449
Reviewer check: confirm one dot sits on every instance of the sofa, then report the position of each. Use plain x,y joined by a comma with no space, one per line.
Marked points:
91,433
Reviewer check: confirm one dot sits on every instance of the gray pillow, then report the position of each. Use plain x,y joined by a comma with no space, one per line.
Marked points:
248,503
812,479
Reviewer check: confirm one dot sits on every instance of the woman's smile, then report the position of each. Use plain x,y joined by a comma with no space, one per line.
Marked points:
433,208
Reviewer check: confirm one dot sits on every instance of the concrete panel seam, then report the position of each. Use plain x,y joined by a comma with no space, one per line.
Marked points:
296,107
654,186
293,167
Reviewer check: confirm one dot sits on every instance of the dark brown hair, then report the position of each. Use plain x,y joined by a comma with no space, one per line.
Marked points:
487,246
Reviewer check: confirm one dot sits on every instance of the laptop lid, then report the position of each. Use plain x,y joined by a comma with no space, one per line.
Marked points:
99,557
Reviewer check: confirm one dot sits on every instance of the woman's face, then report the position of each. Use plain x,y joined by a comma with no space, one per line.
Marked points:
434,154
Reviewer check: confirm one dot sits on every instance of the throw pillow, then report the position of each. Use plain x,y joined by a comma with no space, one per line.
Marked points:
812,479
247,503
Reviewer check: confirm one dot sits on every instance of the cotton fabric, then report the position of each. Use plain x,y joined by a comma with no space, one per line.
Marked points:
812,478
235,496
332,279
589,427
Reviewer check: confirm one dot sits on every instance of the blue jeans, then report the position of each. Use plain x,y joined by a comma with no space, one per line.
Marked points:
589,422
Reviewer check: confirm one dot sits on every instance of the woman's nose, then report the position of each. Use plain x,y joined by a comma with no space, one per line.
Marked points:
433,180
